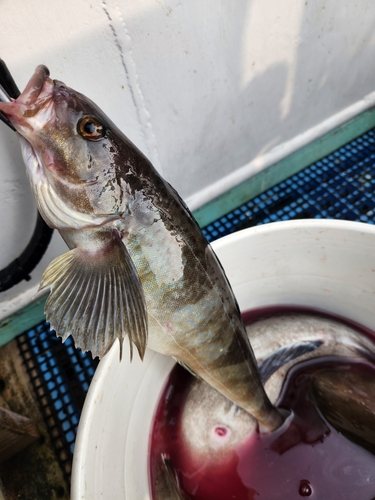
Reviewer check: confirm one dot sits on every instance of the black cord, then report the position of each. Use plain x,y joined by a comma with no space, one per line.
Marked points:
21,267
6,80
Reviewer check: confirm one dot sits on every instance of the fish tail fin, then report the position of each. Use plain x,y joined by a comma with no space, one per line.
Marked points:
167,486
96,297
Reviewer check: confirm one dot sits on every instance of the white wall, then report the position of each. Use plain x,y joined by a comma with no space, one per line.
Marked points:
201,86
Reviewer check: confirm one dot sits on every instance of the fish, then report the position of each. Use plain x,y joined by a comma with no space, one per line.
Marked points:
212,429
212,426
346,399
138,263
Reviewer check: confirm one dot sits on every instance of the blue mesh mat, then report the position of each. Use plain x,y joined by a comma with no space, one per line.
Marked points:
340,186
60,375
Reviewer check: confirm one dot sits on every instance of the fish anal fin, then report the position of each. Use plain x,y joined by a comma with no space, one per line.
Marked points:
96,297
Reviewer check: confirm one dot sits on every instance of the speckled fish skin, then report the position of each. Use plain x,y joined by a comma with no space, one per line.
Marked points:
139,264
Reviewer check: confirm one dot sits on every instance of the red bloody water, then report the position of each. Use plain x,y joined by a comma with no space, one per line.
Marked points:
307,457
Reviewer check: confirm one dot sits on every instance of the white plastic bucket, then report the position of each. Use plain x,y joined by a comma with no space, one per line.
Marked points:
324,264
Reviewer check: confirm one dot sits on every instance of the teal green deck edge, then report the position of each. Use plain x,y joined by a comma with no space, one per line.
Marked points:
33,314
286,167
22,320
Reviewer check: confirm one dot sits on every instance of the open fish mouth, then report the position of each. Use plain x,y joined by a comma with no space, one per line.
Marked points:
35,86
22,113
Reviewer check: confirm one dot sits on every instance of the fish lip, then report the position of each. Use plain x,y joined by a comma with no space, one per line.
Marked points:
36,99
34,86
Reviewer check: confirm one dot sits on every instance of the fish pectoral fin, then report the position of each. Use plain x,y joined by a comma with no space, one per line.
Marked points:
96,297
184,365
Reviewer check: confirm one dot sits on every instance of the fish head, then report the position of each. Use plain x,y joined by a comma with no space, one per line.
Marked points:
212,426
58,121
70,148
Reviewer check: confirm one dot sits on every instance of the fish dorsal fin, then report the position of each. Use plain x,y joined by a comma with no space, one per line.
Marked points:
96,297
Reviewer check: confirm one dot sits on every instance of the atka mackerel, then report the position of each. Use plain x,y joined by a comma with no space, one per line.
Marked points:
138,264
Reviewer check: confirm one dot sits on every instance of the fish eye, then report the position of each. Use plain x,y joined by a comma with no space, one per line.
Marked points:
90,128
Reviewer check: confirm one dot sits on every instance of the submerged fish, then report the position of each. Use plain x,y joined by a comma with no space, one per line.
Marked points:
138,263
212,426
212,433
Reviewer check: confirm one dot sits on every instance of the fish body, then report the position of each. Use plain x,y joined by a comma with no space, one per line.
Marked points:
138,263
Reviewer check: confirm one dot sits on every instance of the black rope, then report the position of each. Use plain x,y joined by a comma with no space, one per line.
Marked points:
21,267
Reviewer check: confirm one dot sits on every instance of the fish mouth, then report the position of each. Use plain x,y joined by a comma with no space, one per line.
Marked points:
35,86
32,109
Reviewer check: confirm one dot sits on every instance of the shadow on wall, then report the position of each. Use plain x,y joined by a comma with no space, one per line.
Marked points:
302,61
329,69
186,83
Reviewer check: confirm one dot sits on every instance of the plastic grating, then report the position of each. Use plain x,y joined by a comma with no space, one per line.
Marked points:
60,375
340,186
